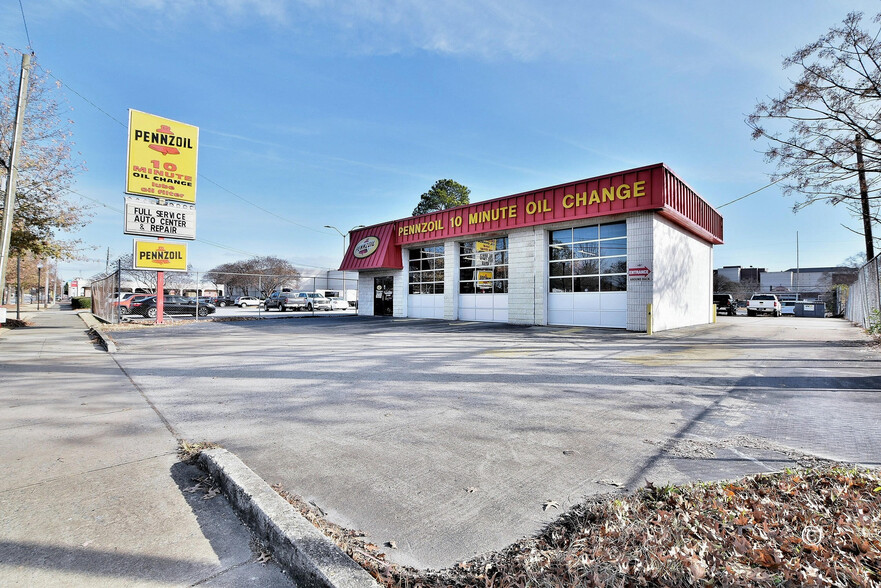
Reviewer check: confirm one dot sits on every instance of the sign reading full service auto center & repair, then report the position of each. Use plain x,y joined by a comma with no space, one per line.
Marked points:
162,157
147,218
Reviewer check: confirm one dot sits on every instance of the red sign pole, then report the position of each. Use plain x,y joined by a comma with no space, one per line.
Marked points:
160,294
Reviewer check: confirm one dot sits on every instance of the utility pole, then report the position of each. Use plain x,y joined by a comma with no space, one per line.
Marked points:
864,200
11,172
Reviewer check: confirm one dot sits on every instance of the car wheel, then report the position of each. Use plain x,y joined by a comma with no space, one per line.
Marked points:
222,304
281,308
203,311
123,311
151,312
309,308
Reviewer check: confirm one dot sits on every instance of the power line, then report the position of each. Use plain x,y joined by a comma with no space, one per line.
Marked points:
26,32
754,191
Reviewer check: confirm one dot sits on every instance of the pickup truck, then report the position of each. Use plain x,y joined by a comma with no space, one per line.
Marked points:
763,303
284,301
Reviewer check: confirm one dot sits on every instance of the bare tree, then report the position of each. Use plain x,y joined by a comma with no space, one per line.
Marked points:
263,274
823,132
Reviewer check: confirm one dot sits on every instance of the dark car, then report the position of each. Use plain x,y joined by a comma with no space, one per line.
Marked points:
222,301
170,305
724,303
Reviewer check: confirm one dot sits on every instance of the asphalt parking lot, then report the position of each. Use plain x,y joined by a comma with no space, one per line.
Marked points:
455,438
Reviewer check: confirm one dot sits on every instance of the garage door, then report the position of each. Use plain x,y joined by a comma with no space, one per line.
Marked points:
587,276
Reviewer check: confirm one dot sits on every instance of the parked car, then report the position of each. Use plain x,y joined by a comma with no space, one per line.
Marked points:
244,301
314,301
170,305
125,305
763,304
724,303
337,303
222,301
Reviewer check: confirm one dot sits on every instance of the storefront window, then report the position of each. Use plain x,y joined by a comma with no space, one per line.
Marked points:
483,266
588,259
427,270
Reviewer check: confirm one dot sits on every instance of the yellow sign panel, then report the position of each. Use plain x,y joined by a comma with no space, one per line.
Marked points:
485,279
162,157
486,245
160,256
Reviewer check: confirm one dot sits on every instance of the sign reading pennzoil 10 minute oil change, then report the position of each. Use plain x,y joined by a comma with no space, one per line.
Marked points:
162,157
159,256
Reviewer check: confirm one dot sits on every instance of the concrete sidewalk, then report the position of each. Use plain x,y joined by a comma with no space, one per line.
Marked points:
91,491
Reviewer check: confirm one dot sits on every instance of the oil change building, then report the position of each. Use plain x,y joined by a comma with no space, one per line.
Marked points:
594,252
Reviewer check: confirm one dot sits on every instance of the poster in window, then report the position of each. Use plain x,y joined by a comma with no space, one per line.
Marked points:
485,245
485,280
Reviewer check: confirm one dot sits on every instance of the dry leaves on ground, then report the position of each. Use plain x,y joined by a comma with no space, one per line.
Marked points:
815,527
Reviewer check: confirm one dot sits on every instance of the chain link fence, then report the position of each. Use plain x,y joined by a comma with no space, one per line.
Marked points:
109,304
864,297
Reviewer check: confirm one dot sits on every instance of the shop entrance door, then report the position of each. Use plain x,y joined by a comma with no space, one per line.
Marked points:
383,296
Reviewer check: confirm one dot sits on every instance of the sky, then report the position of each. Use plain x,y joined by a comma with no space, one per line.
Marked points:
343,112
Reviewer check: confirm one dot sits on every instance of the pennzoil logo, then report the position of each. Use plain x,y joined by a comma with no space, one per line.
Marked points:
366,247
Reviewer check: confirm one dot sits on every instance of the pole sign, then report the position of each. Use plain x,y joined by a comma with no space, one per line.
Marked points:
149,219
162,157
159,256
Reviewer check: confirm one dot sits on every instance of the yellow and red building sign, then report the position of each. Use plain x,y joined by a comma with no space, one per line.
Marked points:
162,157
159,256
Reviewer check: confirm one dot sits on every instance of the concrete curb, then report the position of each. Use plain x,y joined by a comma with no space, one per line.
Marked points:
302,550
96,326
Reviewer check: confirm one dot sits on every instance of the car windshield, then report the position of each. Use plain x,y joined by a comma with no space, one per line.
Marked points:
763,297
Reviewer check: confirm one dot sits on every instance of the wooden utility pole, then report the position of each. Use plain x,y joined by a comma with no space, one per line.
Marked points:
864,200
11,172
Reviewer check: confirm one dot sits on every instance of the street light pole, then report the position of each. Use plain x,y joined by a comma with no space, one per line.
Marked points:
343,235
39,271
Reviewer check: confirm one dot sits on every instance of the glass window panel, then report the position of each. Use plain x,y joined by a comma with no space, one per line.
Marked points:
466,287
558,252
439,288
500,286
502,272
501,258
501,243
586,233
613,265
414,265
560,285
587,284
613,230
563,236
613,247
585,267
414,289
466,275
439,263
428,288
439,276
613,283
466,261
586,249
561,268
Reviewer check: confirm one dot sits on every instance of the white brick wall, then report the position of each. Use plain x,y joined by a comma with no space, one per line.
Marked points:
680,288
682,277
640,252
525,282
451,280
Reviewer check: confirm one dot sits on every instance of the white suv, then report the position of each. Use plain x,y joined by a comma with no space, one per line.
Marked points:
243,301
315,301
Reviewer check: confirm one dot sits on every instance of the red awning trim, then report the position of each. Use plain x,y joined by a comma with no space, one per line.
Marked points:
650,188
